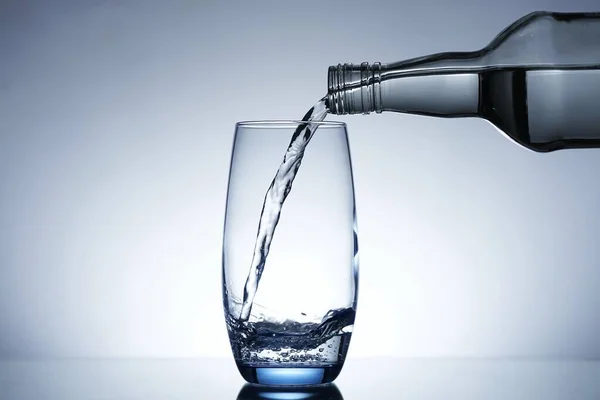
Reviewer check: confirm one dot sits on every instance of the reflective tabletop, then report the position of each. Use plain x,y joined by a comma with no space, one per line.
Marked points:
381,378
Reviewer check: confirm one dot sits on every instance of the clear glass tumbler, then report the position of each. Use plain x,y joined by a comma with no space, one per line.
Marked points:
302,315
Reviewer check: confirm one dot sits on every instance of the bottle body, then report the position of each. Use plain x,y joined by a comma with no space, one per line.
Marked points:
538,82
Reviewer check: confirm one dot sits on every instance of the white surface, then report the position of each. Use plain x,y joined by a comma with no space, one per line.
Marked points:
385,378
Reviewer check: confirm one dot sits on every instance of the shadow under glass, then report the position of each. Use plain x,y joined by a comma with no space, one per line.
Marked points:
324,392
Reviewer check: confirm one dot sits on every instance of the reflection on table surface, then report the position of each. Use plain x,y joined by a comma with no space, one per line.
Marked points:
324,392
215,379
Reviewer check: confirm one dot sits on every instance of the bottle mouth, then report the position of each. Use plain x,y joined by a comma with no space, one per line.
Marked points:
354,89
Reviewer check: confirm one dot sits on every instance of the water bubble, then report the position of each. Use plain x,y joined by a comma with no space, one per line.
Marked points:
321,349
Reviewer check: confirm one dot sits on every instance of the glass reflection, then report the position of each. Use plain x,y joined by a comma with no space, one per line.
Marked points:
324,392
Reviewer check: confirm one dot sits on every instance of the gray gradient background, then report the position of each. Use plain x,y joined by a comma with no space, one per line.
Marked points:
116,125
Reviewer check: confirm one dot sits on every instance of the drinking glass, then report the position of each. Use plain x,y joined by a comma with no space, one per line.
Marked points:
302,315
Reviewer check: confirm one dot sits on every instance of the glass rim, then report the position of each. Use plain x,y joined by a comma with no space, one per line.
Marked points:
287,123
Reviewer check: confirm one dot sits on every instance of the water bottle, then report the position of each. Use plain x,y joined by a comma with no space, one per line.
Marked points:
538,82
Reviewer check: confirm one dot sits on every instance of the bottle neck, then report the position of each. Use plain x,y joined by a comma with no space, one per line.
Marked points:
354,89
445,85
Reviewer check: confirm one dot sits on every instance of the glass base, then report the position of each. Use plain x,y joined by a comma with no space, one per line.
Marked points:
289,376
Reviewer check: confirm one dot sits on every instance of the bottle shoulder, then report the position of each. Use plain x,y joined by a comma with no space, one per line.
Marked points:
547,39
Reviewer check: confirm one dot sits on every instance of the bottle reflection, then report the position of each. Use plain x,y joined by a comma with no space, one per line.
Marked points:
325,392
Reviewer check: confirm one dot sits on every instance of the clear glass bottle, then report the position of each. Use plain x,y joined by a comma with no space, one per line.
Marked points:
538,82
